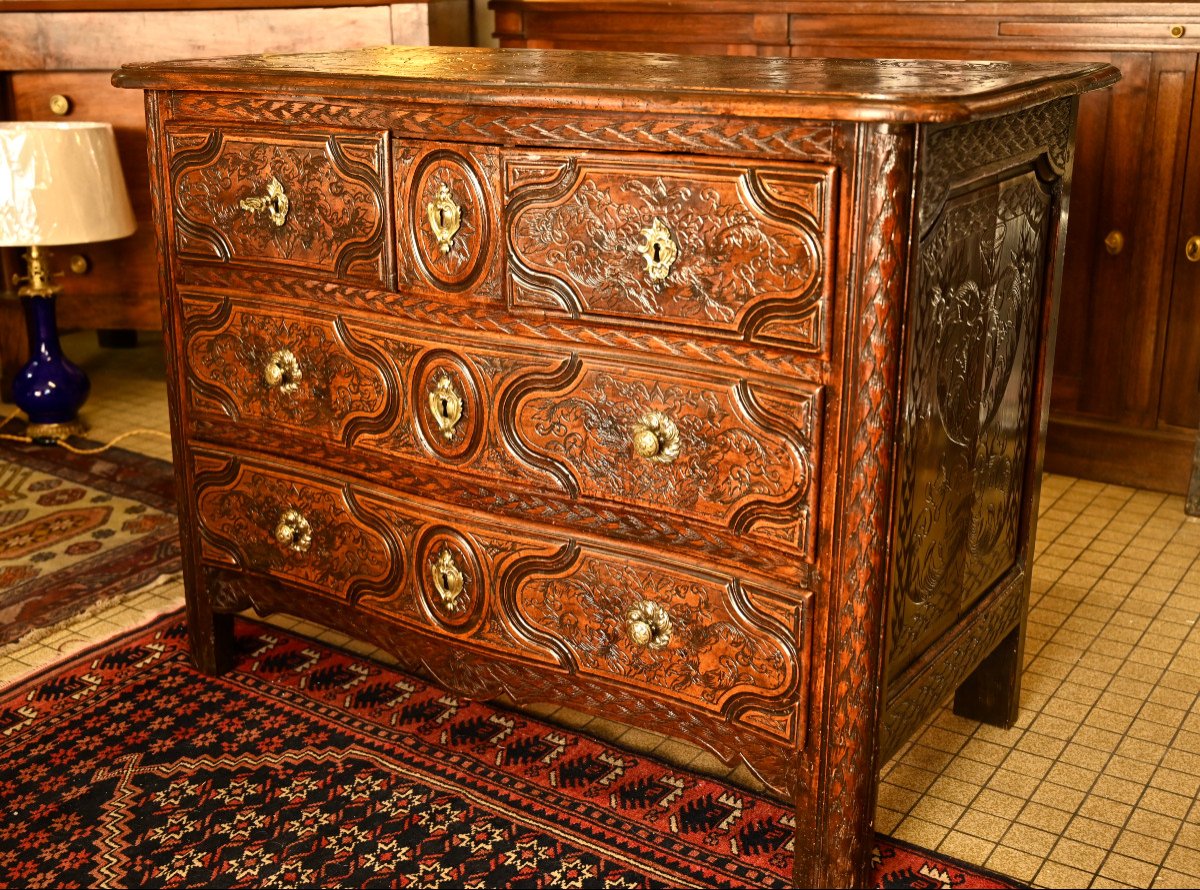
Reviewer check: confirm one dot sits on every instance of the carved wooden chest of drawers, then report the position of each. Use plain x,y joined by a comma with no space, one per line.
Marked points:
701,393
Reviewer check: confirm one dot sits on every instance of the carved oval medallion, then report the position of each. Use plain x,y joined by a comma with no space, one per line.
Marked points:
450,578
447,405
448,222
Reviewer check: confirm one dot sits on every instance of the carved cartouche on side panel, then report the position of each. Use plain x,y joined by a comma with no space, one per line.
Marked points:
311,202
968,391
721,248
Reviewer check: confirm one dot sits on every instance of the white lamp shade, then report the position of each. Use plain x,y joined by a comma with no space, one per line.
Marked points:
61,183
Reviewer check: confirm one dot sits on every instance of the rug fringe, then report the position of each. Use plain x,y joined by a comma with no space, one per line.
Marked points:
94,611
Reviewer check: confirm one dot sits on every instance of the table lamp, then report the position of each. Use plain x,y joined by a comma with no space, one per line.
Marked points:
60,183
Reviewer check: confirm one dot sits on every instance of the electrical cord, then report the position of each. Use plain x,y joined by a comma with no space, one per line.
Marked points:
62,443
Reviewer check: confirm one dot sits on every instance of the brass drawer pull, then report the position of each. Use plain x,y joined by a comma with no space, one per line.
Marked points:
275,202
1192,249
446,406
445,217
60,104
659,250
1114,242
293,531
448,580
656,437
1178,31
282,370
648,625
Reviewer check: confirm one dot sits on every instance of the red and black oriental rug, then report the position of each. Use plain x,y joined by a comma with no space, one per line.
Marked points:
123,766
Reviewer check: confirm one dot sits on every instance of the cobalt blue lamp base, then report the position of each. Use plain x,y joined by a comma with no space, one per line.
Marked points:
50,388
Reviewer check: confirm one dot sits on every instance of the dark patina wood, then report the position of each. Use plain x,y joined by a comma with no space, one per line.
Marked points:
698,393
1126,392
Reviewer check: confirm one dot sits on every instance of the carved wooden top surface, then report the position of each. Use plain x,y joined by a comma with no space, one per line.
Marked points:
838,89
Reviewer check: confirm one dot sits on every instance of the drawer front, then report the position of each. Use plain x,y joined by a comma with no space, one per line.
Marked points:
313,204
282,367
706,640
679,445
720,248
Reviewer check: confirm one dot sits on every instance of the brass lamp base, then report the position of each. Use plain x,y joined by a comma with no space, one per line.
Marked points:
53,432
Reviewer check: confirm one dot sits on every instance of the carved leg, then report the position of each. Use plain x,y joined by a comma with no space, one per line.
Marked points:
211,636
992,693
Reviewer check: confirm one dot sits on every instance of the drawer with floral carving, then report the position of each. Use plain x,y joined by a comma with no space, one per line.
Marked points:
715,247
683,444
712,641
313,203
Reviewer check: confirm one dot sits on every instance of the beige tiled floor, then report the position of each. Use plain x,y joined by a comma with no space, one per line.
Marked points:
1097,783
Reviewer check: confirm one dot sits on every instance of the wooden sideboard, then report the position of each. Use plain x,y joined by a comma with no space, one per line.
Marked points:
702,393
56,60
1126,395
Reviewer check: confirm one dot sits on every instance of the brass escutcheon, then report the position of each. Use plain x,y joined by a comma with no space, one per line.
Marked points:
1192,249
659,250
274,202
648,625
293,531
446,405
445,217
283,370
448,580
656,437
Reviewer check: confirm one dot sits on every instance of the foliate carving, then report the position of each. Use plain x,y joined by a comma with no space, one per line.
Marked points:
337,208
239,508
755,138
738,457
717,653
231,350
955,150
967,406
744,244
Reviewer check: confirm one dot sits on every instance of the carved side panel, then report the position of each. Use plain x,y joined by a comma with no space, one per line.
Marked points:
722,248
283,367
710,648
725,451
316,203
969,384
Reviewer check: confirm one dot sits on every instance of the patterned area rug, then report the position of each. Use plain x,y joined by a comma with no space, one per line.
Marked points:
78,529
305,765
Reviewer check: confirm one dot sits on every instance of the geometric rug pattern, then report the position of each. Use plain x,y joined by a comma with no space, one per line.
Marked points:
76,529
307,765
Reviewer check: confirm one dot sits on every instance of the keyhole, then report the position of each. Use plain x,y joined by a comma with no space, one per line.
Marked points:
441,218
445,408
656,248
445,581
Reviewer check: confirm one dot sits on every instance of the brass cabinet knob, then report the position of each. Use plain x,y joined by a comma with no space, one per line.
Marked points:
448,580
445,217
293,531
60,104
283,370
1191,250
648,625
446,405
659,250
1178,30
274,202
656,437
1114,242
79,264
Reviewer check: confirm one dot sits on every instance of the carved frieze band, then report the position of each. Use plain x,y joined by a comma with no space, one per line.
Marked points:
757,138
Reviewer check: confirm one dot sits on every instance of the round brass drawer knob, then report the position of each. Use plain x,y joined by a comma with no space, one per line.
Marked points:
282,370
1178,31
293,531
79,264
60,104
1114,242
656,437
1191,250
648,625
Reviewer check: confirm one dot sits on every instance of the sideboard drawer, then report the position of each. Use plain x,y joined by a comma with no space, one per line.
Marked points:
710,640
313,203
718,247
